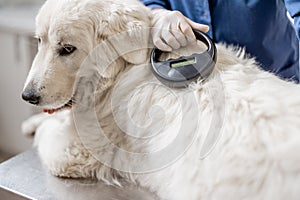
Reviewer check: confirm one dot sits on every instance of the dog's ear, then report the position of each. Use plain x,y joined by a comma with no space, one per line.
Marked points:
126,28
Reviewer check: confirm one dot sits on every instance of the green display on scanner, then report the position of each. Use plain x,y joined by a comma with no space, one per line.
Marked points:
182,63
180,72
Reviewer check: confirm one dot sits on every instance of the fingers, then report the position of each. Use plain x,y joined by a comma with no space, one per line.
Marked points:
201,27
186,29
178,34
160,44
169,38
158,41
172,30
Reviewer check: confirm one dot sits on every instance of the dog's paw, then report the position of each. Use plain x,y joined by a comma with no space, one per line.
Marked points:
28,128
30,125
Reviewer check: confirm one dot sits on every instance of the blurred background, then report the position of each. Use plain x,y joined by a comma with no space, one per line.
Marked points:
17,50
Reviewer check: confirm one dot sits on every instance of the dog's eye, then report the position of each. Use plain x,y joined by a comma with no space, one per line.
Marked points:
66,50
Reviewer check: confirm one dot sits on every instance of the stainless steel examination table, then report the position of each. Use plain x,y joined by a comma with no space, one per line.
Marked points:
23,177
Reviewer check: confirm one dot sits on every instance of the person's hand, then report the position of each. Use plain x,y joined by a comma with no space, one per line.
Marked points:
172,30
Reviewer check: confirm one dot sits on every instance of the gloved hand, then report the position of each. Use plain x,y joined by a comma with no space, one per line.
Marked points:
172,30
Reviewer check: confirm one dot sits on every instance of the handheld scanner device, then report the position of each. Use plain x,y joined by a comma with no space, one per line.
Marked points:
180,72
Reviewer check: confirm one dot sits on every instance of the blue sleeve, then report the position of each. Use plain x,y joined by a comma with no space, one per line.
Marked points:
156,4
293,7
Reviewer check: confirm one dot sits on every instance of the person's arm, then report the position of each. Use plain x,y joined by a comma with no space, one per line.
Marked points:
154,4
171,29
293,7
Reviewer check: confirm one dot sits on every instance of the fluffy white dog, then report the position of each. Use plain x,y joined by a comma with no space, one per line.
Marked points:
234,136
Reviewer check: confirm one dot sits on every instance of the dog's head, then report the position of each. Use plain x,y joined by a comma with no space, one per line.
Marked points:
68,31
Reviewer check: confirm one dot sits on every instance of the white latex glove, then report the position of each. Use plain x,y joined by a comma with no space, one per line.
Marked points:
172,30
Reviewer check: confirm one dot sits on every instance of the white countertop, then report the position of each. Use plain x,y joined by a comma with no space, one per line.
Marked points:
19,20
24,177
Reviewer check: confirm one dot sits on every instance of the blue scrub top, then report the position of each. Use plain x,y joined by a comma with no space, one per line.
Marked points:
261,26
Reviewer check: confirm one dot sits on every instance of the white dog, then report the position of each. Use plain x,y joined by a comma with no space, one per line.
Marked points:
234,136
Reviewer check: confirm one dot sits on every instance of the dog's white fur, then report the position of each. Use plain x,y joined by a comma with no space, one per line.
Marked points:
256,156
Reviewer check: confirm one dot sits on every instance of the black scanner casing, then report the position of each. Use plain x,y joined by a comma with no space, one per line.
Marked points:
181,77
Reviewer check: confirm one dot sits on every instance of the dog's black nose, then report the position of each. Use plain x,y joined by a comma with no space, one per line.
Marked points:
31,96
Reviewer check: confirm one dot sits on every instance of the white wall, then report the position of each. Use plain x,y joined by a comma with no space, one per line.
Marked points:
19,2
15,57
17,49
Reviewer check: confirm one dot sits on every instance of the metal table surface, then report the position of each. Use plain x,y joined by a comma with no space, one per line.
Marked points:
24,177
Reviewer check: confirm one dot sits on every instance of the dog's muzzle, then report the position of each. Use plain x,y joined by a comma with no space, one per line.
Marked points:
31,96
